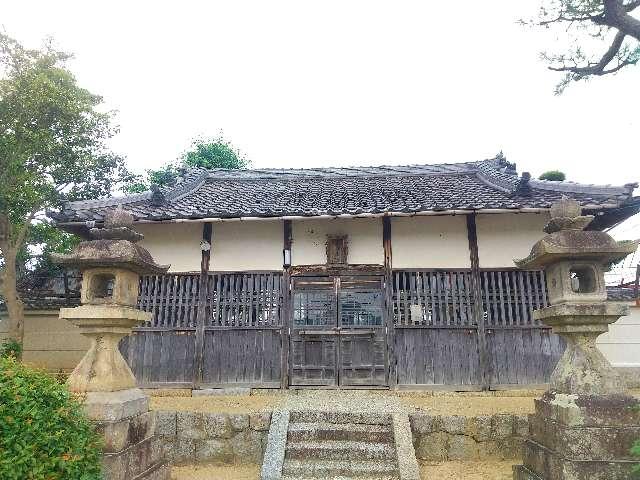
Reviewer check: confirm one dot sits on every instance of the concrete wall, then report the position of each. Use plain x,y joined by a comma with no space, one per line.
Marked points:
310,237
247,245
430,242
174,243
508,236
49,342
621,345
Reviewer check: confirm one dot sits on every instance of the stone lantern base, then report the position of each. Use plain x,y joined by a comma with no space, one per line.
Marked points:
131,450
580,437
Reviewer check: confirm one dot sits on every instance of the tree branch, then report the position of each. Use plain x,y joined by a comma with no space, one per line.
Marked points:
616,16
22,234
599,68
632,5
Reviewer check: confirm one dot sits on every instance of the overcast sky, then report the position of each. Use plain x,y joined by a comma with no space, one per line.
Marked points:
324,83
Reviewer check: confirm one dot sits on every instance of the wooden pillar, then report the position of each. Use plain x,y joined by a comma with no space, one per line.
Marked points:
476,290
286,302
207,230
388,295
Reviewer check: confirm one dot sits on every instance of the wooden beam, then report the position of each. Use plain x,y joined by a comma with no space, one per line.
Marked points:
205,260
287,240
476,289
388,295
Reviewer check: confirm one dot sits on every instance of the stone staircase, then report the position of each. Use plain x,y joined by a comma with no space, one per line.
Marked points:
340,445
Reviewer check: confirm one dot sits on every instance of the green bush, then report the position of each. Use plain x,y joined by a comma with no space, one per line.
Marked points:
553,175
635,451
10,348
44,433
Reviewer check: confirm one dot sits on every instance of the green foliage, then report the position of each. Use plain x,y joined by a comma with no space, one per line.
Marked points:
44,434
53,147
553,175
214,152
635,451
43,240
10,348
52,134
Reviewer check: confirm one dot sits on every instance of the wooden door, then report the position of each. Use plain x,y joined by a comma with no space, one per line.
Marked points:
314,334
338,333
362,352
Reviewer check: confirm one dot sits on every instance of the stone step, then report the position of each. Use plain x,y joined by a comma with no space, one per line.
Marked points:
339,450
300,469
366,418
357,432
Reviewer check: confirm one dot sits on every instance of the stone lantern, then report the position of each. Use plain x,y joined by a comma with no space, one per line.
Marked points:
111,264
584,424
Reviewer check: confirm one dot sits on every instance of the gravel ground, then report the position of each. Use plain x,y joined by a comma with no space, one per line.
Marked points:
218,404
216,472
437,471
354,400
467,471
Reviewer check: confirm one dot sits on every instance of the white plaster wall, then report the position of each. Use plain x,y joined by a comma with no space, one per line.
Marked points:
503,237
430,242
174,243
310,237
250,245
621,345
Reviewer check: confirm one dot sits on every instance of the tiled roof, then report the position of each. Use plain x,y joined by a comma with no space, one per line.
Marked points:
621,294
219,193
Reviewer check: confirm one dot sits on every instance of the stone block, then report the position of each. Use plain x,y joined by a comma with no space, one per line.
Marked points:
489,450
190,425
247,447
510,448
521,425
260,421
421,423
501,426
214,450
121,434
239,422
133,461
166,423
432,446
454,424
217,425
114,406
462,447
183,450
479,427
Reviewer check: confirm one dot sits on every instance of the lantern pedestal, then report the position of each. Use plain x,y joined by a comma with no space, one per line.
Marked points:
111,266
584,426
119,410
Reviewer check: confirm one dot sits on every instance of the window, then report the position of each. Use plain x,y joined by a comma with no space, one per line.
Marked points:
337,249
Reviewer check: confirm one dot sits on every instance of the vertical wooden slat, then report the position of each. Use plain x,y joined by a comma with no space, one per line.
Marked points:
472,236
203,284
390,359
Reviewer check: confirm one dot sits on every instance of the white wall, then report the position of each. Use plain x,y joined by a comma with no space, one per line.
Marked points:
310,237
621,345
250,245
174,243
430,242
503,237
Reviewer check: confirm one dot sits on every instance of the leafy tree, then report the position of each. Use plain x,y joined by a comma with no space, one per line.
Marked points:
52,148
204,152
553,175
603,37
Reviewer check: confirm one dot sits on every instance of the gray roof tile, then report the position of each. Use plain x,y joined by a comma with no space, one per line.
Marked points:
219,193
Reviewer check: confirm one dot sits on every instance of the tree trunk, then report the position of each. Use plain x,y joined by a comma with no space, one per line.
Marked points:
15,307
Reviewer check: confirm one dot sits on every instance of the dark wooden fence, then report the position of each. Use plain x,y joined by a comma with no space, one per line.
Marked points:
450,329
445,336
238,342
